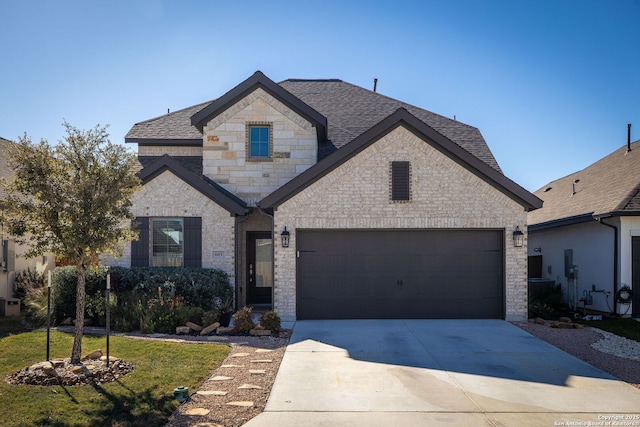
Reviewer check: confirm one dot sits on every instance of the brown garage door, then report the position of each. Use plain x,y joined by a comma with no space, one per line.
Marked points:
392,274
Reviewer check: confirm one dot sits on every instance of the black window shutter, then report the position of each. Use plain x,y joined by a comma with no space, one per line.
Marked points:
140,247
399,180
193,242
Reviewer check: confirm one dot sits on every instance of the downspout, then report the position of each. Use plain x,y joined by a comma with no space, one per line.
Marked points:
273,256
615,261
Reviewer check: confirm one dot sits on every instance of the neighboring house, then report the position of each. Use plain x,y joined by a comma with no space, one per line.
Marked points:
587,236
10,259
326,200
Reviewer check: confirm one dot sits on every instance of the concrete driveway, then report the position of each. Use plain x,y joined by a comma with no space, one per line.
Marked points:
438,372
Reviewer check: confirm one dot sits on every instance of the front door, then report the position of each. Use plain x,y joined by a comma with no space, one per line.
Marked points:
259,267
635,275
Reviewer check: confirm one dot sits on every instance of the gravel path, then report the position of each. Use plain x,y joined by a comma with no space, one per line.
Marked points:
617,356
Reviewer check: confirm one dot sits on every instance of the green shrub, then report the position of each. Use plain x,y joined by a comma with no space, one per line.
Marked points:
243,320
271,321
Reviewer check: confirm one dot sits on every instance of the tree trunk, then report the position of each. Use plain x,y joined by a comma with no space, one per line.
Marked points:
76,352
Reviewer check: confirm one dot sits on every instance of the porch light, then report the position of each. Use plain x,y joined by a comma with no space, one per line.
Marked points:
518,237
285,238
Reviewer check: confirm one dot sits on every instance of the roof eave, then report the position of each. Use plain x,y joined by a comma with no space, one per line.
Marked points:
212,191
401,117
561,222
258,79
194,142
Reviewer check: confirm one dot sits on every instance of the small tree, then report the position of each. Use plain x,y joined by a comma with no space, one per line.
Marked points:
72,199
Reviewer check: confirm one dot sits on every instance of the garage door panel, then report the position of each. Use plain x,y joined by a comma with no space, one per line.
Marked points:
400,274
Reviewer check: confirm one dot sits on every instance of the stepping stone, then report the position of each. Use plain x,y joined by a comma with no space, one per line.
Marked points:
263,350
232,366
249,387
207,425
243,403
197,411
257,371
221,378
239,355
262,361
211,392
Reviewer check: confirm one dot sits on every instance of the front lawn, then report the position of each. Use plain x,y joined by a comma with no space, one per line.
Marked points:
143,397
626,327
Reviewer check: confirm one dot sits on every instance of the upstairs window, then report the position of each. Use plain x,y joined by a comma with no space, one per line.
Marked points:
400,181
259,141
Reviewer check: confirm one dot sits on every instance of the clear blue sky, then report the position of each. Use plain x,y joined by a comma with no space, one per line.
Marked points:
551,84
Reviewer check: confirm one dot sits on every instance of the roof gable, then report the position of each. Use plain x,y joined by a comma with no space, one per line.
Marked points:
259,80
401,117
609,186
204,185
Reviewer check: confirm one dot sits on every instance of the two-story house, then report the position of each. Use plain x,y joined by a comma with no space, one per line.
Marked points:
323,199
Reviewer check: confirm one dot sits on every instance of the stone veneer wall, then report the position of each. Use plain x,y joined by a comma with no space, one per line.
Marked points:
169,196
225,160
178,151
357,195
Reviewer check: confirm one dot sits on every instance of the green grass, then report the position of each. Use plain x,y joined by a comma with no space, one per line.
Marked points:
626,327
143,397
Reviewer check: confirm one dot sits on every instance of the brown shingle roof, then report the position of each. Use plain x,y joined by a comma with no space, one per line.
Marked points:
609,186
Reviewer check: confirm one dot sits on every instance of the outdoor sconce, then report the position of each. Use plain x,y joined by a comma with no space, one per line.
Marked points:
285,238
518,237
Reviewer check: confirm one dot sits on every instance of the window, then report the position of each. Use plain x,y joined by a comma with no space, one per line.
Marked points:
259,141
167,244
400,181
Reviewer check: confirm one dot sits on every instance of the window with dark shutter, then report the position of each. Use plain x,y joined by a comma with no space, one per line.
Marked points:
400,181
140,247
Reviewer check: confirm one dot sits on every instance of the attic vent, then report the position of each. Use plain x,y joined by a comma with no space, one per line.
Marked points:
574,186
547,189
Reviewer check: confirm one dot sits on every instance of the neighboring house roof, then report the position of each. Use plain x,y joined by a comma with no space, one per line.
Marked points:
201,183
349,111
402,117
610,186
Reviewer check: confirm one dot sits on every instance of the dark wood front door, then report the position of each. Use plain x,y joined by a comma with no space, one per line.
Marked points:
259,267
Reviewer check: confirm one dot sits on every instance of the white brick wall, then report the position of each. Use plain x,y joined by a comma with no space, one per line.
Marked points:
444,195
169,196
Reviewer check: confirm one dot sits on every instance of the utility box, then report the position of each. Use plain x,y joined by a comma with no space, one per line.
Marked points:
9,307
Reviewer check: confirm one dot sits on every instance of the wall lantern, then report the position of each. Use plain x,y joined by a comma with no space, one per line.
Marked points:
518,237
285,238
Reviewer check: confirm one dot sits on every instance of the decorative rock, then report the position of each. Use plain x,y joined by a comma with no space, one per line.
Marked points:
566,325
211,392
222,330
259,332
57,363
67,322
209,329
565,320
193,326
257,371
249,387
197,411
182,330
221,378
259,326
539,321
94,355
78,369
111,359
245,404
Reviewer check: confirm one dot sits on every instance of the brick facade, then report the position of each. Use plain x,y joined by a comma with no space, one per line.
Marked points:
444,195
169,196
